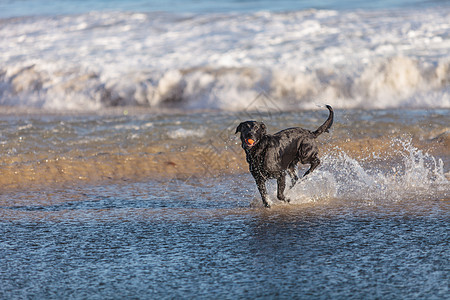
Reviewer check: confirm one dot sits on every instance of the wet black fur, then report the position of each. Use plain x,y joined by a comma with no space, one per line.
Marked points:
271,156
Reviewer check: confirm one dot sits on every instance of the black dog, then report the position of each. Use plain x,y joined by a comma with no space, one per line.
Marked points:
271,156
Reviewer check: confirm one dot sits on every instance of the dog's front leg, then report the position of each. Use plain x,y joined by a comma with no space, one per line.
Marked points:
281,185
261,184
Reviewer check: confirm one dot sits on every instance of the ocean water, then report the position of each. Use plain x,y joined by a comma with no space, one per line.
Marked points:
121,175
124,53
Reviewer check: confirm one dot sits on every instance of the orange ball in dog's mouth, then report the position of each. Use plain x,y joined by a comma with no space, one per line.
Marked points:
250,142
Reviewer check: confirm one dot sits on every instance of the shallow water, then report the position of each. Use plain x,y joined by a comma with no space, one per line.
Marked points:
44,149
202,240
140,204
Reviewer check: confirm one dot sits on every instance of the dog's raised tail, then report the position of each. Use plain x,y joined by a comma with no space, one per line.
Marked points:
325,126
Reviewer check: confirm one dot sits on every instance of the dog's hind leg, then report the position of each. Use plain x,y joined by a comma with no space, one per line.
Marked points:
308,155
281,185
314,162
292,174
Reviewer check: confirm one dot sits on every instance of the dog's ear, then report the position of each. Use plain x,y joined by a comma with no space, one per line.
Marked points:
239,128
263,127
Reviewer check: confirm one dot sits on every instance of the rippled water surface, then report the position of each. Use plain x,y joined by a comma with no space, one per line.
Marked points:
150,206
126,242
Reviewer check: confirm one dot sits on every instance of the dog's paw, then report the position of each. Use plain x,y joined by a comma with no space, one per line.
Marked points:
284,199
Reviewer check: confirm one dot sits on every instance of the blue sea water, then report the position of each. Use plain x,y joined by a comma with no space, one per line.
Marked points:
41,7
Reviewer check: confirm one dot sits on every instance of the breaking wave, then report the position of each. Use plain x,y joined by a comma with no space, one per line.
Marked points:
353,59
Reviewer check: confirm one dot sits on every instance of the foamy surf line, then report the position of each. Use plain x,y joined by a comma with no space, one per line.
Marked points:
226,61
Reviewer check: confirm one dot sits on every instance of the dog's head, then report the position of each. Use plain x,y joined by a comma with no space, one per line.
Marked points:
251,133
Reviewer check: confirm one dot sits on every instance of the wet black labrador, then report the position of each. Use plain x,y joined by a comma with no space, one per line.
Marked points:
271,156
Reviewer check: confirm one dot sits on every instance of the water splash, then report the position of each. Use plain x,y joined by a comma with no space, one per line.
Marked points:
407,173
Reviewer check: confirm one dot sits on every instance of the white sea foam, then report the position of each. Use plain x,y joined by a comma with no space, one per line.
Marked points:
343,177
182,133
371,59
